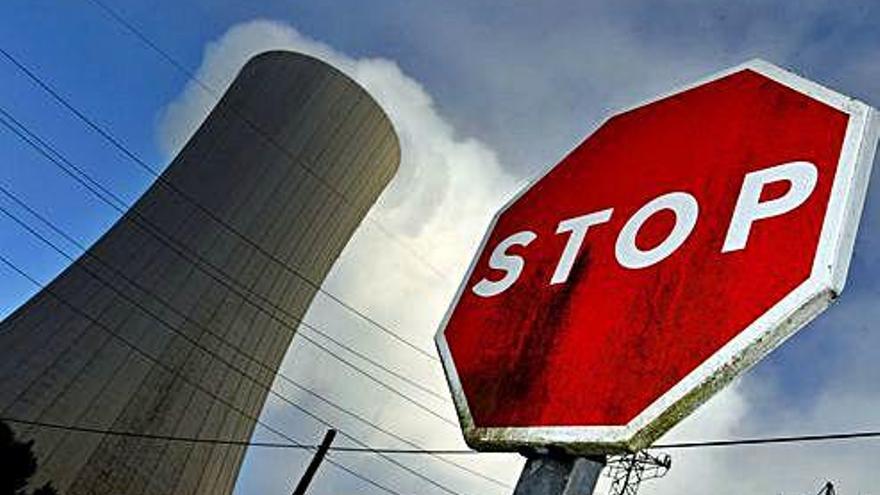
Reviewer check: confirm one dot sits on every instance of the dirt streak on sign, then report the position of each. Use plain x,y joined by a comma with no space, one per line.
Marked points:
672,249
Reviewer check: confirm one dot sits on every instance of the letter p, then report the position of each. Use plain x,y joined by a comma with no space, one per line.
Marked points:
749,207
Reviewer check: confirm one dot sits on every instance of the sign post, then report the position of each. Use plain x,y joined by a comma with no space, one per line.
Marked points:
559,474
674,248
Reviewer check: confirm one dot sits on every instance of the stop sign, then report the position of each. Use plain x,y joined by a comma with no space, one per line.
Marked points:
672,249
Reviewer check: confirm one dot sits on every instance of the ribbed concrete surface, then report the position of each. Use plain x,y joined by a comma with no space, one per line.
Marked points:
129,371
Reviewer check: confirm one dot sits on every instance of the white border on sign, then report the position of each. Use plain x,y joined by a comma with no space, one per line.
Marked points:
825,283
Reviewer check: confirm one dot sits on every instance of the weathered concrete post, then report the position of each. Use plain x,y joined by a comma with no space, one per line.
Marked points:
555,473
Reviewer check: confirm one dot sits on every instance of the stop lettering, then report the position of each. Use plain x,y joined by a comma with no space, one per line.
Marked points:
801,177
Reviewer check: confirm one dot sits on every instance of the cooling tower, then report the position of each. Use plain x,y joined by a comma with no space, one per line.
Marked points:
174,322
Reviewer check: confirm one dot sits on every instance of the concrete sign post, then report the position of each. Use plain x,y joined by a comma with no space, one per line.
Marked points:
675,247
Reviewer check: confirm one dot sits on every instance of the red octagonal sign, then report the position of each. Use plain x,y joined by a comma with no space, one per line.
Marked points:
672,249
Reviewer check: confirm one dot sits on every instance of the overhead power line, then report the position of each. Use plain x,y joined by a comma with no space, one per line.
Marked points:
265,386
82,248
219,441
202,327
99,191
216,356
118,204
58,159
822,437
64,302
828,437
141,163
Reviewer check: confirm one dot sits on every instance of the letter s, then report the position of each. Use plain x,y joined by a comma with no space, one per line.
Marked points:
512,265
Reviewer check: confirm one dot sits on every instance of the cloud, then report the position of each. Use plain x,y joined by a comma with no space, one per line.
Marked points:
436,210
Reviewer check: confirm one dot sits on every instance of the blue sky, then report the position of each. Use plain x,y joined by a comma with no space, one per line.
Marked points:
525,81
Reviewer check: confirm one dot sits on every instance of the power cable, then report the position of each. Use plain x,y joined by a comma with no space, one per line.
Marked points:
216,356
828,437
134,158
137,285
244,443
155,231
93,184
217,441
197,260
769,440
173,372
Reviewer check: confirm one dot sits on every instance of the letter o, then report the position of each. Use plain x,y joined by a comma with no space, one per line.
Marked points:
686,210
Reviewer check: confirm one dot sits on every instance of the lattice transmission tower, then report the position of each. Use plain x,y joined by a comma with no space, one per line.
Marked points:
628,471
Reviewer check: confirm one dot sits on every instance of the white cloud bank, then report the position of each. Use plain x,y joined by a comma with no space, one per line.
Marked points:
438,205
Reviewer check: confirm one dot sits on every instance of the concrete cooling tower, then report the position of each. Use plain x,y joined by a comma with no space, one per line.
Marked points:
176,321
